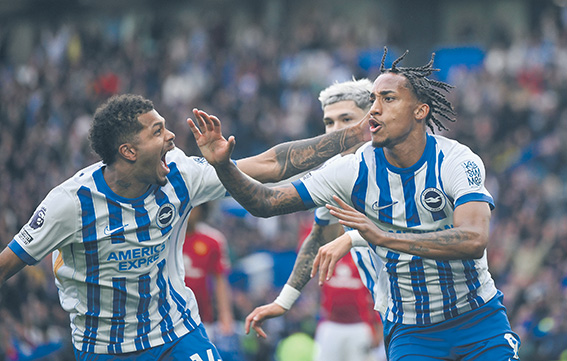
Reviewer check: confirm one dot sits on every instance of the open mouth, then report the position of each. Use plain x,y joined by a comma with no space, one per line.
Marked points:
163,162
374,125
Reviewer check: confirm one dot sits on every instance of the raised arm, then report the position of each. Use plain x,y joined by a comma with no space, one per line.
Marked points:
299,277
288,159
259,200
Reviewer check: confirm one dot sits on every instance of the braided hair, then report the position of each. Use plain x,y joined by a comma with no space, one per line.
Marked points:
425,89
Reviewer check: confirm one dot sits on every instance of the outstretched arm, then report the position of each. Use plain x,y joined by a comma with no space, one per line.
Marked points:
299,277
287,159
259,200
10,264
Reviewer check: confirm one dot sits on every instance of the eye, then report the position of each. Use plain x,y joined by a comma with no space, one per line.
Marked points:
388,99
346,120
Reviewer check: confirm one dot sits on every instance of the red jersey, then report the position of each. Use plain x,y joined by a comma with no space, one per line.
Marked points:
204,254
344,298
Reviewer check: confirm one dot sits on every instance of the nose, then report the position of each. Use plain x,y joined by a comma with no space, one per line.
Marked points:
376,107
170,136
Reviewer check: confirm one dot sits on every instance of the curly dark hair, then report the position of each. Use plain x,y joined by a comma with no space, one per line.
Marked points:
425,89
116,122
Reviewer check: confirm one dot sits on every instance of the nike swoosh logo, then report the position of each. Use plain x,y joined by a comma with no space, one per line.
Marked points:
379,208
109,231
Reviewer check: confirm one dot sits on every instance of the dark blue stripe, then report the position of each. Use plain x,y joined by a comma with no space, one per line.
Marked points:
358,196
447,284
408,184
303,193
430,182
20,252
391,267
369,279
179,185
471,276
166,325
115,221
419,286
384,212
90,244
440,159
142,221
475,197
161,199
142,342
182,308
118,313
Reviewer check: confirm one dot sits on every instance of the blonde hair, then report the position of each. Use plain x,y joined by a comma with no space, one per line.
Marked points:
355,90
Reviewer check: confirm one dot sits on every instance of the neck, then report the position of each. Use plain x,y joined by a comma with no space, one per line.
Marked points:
123,183
408,153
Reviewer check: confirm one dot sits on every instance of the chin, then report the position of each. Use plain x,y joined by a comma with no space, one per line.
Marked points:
162,182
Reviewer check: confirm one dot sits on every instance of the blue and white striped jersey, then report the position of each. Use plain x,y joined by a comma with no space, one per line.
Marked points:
417,199
118,262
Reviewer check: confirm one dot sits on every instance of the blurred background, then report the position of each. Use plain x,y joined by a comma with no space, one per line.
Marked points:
259,65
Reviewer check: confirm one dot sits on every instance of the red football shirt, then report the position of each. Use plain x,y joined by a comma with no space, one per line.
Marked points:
204,254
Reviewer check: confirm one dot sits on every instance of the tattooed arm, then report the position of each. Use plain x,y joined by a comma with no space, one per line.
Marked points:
299,277
288,159
466,240
319,235
259,200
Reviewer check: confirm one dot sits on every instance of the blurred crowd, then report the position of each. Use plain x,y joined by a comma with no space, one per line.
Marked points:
262,79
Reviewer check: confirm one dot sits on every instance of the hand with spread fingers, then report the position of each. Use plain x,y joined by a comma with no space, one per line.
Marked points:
214,147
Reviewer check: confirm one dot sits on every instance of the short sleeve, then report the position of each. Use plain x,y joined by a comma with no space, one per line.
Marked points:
53,224
463,177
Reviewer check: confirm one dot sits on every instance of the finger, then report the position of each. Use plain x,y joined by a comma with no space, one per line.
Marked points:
324,270
331,269
196,132
343,204
207,120
257,326
231,143
199,118
247,322
216,123
315,266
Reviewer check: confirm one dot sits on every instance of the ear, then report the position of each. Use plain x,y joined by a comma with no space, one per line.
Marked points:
421,111
128,152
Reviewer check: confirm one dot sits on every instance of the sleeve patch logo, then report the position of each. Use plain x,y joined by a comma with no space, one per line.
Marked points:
38,218
200,160
473,173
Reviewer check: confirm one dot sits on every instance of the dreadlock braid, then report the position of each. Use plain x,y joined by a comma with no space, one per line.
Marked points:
425,89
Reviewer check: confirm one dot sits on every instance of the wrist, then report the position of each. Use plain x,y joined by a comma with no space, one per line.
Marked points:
287,297
356,239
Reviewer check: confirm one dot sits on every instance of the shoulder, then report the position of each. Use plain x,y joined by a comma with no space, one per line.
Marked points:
451,147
